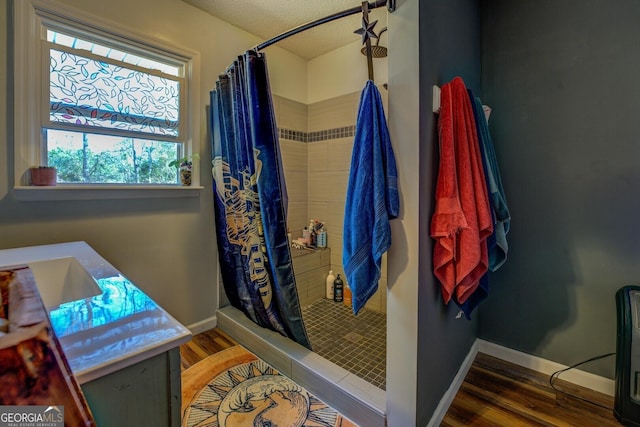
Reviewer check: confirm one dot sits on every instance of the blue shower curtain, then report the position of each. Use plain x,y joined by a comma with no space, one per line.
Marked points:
250,200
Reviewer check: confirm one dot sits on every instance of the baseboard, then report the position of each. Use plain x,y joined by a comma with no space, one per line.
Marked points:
203,325
547,367
544,366
450,394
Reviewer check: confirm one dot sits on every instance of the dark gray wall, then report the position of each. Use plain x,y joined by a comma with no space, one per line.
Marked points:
563,81
449,47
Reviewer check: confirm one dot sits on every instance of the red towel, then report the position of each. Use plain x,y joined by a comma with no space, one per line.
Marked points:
462,220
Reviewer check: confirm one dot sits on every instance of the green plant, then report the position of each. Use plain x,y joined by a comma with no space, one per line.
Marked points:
184,162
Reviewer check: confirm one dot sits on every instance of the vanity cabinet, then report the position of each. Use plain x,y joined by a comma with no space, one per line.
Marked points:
119,346
145,394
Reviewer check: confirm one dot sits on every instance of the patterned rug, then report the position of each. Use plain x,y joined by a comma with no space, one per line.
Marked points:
234,388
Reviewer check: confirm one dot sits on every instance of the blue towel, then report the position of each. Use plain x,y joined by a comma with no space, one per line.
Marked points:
372,199
482,291
497,242
497,198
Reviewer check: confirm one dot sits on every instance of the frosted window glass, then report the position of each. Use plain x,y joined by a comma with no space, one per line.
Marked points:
88,92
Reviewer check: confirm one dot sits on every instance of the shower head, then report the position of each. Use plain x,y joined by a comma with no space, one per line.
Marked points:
376,51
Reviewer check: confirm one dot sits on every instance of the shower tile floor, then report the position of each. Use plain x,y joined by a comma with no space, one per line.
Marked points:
355,343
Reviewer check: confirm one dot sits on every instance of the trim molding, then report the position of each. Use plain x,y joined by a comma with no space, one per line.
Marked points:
103,192
450,394
203,325
575,376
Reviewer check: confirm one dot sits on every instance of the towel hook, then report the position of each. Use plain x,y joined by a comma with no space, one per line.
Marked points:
366,31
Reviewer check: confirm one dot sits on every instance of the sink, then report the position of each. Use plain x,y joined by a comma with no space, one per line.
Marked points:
62,280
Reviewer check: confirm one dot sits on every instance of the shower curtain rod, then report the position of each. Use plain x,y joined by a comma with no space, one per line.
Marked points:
391,6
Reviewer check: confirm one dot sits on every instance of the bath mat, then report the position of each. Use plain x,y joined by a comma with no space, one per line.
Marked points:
235,388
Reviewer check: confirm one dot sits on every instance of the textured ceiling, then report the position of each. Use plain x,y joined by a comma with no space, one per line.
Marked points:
269,18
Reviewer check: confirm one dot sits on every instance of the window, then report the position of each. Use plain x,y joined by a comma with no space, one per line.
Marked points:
106,107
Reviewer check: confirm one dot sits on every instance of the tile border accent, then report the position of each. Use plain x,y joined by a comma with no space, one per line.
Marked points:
320,135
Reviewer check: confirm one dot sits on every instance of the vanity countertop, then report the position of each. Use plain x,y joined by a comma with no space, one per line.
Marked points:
116,328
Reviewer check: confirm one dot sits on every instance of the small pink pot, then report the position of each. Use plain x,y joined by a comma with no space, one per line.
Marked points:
43,175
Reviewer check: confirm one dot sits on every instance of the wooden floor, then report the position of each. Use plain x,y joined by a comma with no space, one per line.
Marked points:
498,393
203,345
494,393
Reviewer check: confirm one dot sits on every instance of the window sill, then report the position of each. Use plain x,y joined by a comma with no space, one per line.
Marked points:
103,192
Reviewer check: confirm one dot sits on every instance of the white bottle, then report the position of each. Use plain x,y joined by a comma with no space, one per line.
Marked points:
330,279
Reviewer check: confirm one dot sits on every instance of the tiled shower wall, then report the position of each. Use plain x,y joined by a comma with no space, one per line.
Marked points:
316,142
291,118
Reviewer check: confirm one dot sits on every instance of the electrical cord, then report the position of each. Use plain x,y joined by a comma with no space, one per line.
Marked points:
555,376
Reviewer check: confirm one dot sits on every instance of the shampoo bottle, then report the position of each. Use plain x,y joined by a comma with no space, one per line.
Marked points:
338,287
330,279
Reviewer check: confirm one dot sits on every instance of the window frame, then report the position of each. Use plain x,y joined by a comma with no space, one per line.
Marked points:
31,19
